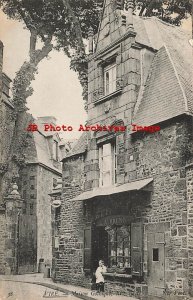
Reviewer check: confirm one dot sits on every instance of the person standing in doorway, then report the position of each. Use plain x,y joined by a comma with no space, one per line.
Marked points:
100,281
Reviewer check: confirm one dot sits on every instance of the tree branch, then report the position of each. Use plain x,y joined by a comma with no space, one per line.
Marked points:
28,23
33,41
76,24
42,53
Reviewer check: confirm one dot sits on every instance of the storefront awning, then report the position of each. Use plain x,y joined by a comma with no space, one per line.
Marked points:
131,186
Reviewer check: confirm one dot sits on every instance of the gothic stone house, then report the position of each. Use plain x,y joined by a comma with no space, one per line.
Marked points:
128,196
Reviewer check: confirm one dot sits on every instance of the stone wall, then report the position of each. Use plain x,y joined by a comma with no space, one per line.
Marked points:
189,176
1,66
68,255
28,188
161,155
44,185
6,130
2,244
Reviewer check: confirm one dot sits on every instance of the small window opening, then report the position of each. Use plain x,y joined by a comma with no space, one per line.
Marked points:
155,254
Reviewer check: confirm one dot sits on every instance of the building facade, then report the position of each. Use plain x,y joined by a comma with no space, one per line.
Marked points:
127,188
25,206
37,179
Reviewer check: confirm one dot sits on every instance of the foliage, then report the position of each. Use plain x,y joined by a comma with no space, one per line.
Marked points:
57,24
171,11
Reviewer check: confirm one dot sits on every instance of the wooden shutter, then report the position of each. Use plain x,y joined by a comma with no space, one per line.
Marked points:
137,249
87,248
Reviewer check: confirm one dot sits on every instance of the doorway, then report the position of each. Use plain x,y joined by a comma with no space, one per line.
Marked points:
156,263
100,246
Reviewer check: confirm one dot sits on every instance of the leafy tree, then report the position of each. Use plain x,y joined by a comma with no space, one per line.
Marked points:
53,24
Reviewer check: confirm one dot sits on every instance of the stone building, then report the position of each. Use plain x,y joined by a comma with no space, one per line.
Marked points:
6,127
127,192
25,207
37,179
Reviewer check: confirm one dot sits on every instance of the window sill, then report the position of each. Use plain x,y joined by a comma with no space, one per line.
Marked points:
117,275
107,97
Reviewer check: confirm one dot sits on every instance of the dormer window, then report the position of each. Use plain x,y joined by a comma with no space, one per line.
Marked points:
55,150
110,79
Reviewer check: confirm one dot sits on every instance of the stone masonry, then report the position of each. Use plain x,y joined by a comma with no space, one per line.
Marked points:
151,89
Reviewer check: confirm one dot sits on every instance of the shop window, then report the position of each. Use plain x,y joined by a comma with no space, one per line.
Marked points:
119,246
110,79
107,164
55,150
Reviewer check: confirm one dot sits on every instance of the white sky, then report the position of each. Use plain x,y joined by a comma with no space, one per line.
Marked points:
57,91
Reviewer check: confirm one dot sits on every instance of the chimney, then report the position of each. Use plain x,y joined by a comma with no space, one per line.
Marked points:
47,120
90,39
129,7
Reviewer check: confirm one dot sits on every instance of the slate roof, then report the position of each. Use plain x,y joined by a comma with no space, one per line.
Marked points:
39,151
168,90
80,146
43,155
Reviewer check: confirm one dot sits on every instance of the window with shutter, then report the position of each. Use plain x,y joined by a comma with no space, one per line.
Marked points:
124,248
137,249
87,248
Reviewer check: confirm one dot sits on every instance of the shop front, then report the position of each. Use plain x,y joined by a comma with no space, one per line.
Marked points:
115,234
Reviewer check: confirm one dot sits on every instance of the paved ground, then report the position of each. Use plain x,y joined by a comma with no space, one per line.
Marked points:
10,290
32,286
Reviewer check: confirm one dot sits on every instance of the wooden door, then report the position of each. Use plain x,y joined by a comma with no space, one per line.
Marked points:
27,244
156,263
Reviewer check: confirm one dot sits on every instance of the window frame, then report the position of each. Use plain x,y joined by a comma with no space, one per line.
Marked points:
113,169
112,83
115,242
55,150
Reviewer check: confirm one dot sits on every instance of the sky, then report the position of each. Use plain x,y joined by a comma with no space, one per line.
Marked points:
57,91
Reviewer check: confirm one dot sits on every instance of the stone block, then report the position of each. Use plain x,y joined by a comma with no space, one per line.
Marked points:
170,276
182,273
182,230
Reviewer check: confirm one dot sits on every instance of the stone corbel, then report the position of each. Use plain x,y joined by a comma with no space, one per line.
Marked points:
119,83
95,95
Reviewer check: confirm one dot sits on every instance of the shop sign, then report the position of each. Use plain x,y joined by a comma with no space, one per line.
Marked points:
113,220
